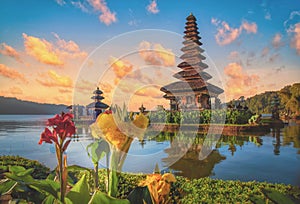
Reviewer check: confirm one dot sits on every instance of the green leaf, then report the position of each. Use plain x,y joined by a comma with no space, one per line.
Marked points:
98,150
6,186
277,197
49,200
140,195
25,173
99,197
79,193
46,186
20,179
16,169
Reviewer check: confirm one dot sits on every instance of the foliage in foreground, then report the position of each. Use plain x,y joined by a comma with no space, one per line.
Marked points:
40,170
204,190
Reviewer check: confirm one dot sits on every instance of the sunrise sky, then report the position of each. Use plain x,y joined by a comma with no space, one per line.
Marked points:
48,47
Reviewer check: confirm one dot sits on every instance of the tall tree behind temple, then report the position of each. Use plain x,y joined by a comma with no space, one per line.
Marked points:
289,101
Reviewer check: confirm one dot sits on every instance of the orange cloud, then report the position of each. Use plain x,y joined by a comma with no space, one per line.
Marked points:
65,91
9,51
12,91
41,50
295,42
107,17
152,7
11,73
106,88
239,83
120,67
156,54
52,79
226,34
150,91
51,53
85,86
15,90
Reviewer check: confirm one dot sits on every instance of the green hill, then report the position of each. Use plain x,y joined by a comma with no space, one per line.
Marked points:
289,101
10,105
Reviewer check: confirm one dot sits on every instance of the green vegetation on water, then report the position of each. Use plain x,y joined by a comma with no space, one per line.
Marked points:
221,116
204,190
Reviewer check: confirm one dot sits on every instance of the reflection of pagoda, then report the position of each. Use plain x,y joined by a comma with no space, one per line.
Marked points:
192,92
97,104
190,166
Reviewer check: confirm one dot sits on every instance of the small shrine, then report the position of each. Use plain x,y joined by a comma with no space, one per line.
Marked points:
192,92
97,104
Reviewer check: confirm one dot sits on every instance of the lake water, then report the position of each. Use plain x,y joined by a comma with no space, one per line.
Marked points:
272,157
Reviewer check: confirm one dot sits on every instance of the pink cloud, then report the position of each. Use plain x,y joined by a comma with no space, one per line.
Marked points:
107,17
11,73
234,55
68,49
249,27
9,51
276,41
226,34
152,7
265,52
239,83
295,42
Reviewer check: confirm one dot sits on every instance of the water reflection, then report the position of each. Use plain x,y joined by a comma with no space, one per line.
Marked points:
276,144
291,136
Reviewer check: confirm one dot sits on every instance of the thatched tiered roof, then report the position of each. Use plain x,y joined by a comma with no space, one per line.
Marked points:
193,78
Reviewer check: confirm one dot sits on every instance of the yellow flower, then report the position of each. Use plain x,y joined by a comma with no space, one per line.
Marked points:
141,121
105,121
118,134
159,186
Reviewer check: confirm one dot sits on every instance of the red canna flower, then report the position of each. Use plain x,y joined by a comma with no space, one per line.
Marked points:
62,127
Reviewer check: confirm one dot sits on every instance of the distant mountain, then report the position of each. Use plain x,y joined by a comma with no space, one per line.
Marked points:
10,105
289,101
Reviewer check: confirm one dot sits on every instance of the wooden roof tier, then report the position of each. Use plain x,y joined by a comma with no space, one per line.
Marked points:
183,88
192,46
191,17
194,31
192,54
192,41
192,73
185,65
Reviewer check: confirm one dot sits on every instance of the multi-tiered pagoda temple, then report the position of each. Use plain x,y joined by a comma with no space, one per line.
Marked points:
98,105
193,92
